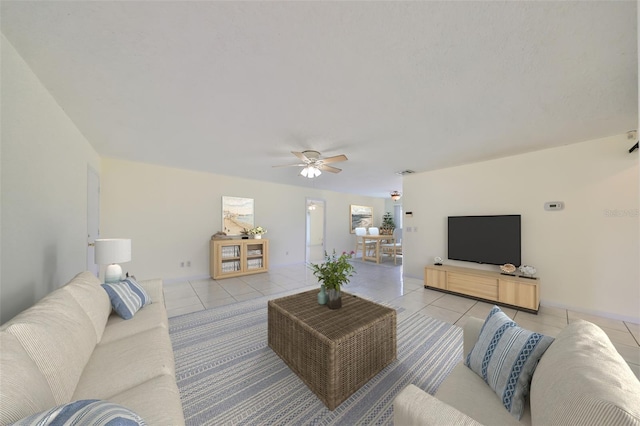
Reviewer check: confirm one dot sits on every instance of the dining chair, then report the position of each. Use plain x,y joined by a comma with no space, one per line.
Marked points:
374,231
360,232
395,248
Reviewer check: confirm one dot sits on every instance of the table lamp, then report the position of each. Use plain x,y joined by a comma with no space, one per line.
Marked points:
111,251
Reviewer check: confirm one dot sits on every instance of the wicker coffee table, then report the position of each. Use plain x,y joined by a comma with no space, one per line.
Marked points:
334,352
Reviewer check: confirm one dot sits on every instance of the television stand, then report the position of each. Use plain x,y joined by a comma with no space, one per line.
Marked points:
516,292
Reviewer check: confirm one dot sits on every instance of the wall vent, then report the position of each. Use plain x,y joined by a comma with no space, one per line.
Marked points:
405,172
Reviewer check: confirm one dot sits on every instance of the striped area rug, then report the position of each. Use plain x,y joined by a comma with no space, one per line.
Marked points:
227,374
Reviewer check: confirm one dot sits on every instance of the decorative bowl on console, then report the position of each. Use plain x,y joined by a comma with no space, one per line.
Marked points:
508,268
527,271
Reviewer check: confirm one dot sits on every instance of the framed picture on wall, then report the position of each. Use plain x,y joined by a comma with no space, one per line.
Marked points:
360,216
237,215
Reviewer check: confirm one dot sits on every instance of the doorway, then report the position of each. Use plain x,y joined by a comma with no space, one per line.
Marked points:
315,235
93,217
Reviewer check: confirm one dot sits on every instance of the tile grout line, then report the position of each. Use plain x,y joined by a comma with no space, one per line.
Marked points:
197,295
632,335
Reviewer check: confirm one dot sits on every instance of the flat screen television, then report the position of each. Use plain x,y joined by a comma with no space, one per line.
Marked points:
494,240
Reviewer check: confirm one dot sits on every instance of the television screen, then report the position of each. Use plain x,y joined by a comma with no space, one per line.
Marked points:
494,240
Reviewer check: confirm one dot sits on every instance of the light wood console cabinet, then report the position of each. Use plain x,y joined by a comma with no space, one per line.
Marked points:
234,258
493,287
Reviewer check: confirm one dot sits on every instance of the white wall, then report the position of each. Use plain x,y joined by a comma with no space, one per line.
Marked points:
44,189
586,255
170,214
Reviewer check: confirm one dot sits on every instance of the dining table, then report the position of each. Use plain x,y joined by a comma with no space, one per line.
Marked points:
377,239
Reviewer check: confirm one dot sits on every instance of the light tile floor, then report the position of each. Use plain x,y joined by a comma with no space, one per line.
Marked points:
384,282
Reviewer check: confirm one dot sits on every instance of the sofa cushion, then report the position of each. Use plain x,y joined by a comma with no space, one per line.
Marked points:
163,409
154,289
87,412
85,289
505,357
154,315
127,297
125,363
414,407
23,388
465,391
59,337
582,380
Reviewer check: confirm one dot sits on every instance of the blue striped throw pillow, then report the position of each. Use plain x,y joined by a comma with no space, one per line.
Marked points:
85,412
505,356
127,297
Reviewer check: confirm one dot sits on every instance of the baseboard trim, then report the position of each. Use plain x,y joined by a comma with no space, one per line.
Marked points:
613,316
183,279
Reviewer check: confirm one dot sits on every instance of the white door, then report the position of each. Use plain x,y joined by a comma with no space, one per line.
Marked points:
315,234
93,217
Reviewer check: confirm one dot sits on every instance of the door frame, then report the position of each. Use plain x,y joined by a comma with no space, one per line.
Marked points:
93,217
309,201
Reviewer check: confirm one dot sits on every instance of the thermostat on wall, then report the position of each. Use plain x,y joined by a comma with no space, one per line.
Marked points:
554,205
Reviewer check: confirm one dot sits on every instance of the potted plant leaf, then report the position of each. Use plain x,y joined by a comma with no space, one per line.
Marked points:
334,273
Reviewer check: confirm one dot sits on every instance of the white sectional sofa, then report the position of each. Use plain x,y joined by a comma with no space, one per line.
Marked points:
580,380
69,346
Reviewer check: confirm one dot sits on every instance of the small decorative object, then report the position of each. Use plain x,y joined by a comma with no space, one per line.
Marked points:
527,271
220,236
387,224
437,260
508,268
333,273
257,232
322,295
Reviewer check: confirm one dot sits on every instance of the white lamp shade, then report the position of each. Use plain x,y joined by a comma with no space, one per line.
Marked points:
112,250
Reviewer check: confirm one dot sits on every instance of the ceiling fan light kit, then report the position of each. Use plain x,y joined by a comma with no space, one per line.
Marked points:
310,172
313,165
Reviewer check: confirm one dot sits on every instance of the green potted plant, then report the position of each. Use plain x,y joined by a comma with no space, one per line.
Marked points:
387,224
334,273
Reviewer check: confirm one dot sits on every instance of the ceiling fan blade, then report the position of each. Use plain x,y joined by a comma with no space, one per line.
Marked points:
331,169
301,156
334,159
291,165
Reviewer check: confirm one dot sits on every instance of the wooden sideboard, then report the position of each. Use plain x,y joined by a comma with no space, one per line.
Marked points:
493,287
234,258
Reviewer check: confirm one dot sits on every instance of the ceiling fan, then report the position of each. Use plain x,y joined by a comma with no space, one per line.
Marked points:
314,165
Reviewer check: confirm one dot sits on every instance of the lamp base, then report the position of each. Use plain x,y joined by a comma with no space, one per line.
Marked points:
113,274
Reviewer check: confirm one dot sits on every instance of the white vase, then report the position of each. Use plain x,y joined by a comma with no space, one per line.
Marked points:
257,236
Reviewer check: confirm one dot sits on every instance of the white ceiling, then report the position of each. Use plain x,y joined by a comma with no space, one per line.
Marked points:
233,87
